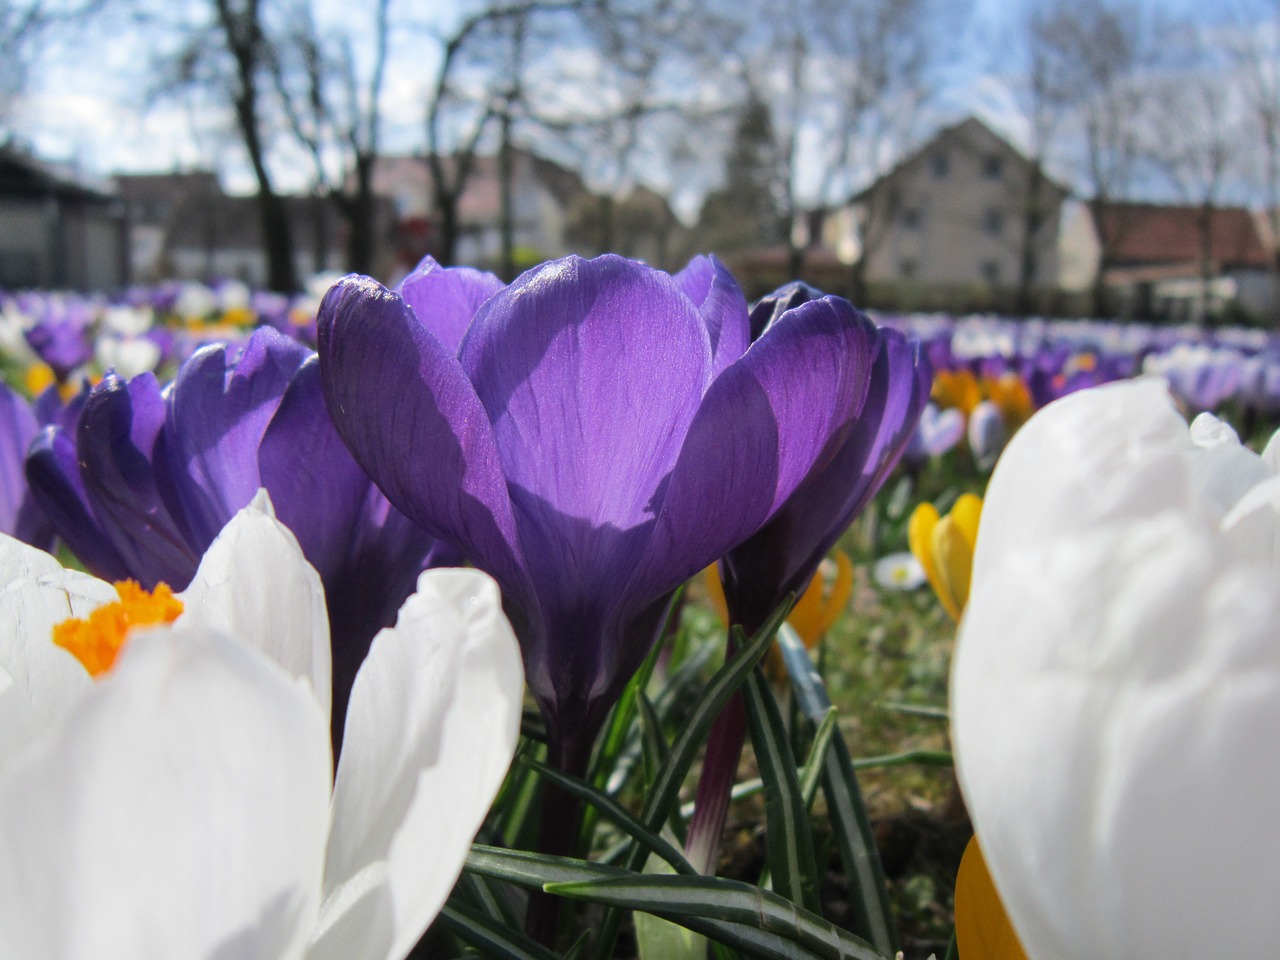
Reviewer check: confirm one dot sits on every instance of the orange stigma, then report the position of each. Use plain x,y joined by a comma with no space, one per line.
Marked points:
97,641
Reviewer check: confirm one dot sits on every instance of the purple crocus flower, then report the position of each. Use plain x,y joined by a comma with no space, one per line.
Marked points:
783,555
600,435
936,432
20,516
781,558
149,477
61,337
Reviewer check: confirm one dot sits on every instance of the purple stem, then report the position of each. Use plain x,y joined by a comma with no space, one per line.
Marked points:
719,770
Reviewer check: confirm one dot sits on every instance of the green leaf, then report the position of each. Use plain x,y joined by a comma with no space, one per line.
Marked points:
924,758
868,893
664,793
917,710
659,939
615,812
811,774
788,841
496,940
734,912
621,722
653,739
494,903
517,805
535,870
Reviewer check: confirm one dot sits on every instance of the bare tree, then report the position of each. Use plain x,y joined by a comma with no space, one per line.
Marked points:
1256,53
223,49
1097,56
458,113
333,99
848,82
1194,132
1041,95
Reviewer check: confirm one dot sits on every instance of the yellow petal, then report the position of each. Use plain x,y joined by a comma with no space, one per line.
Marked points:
983,931
920,528
1011,395
39,378
953,557
715,592
839,595
820,606
966,513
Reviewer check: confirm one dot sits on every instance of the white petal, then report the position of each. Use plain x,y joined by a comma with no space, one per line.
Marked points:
431,729
179,811
1114,698
1253,524
45,679
254,583
1096,456
1222,469
18,560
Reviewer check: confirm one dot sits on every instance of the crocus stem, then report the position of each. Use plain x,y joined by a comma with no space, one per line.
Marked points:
558,826
719,770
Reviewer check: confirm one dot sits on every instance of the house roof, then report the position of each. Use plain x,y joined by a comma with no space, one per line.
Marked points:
1146,233
968,129
481,200
22,175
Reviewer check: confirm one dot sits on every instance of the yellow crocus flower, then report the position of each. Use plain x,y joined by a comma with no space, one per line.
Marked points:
944,547
1009,392
956,388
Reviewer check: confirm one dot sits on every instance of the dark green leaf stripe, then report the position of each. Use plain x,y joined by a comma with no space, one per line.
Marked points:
689,900
869,896
788,842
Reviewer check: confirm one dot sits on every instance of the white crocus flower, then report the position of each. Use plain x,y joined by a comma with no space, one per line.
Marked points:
1115,694
127,355
184,805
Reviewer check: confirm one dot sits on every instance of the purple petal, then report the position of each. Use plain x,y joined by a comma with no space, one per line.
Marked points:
445,300
316,486
772,306
18,427
783,555
53,471
217,414
115,443
405,409
782,411
591,372
62,344
722,306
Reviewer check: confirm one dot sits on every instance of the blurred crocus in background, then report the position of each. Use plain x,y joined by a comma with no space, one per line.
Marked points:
944,545
20,422
1115,693
186,804
936,432
148,478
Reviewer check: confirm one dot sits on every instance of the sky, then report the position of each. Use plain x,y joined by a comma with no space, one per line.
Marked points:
84,108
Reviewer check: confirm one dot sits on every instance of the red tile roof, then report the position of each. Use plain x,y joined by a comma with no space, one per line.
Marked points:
1155,234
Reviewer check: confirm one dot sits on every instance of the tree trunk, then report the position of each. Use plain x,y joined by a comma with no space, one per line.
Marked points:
362,214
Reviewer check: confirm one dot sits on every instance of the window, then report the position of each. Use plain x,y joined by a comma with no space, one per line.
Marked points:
993,166
940,165
993,221
912,218
991,272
